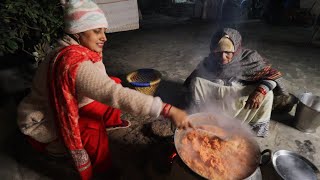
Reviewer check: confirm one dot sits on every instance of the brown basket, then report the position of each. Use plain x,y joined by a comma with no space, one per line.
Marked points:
145,80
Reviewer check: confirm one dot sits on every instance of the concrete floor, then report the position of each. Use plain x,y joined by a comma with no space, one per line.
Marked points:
174,47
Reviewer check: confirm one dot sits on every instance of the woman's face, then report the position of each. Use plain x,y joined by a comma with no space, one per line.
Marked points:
224,57
93,39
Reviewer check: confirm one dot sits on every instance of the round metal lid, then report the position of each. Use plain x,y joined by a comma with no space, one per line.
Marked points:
292,166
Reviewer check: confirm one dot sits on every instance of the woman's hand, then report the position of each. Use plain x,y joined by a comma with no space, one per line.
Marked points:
254,100
179,118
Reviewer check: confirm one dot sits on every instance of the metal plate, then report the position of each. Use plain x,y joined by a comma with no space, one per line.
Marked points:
292,166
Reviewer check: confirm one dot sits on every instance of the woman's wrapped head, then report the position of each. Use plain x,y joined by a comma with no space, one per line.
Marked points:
82,15
225,44
222,38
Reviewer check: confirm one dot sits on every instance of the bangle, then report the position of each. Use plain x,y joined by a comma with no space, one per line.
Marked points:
169,110
166,109
262,90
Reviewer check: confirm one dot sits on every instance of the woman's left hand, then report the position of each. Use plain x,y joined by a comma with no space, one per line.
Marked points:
254,100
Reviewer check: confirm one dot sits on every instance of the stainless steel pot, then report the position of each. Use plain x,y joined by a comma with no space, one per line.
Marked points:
232,127
307,116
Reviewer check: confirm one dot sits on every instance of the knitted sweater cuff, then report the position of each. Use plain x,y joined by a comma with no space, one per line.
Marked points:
268,85
156,107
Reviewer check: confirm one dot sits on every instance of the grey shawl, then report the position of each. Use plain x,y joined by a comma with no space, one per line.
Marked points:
247,66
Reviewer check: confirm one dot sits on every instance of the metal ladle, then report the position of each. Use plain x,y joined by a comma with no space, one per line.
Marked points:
224,138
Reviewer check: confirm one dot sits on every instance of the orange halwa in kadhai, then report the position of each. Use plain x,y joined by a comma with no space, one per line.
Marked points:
216,158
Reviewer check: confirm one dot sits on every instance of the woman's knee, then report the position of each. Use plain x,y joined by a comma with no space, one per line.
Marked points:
269,97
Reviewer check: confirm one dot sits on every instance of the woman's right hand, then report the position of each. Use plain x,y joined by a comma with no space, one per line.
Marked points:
179,118
254,100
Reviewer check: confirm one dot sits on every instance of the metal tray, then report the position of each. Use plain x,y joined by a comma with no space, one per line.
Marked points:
292,166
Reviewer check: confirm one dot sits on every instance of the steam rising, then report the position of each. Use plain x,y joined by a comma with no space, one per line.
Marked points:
221,105
238,151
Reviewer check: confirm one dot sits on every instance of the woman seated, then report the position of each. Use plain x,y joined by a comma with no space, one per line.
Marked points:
237,80
73,100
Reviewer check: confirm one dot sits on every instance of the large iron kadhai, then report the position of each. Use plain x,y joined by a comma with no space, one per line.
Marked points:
223,149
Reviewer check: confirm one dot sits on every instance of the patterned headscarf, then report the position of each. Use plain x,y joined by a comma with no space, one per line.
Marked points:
82,15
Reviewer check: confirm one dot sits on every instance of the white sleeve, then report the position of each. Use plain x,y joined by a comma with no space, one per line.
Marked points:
92,83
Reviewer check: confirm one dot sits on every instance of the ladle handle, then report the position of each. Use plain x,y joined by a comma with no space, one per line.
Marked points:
269,157
211,133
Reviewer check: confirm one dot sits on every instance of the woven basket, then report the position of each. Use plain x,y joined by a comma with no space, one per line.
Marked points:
145,80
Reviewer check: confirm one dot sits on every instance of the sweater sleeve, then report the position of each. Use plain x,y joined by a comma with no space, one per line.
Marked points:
97,85
268,85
